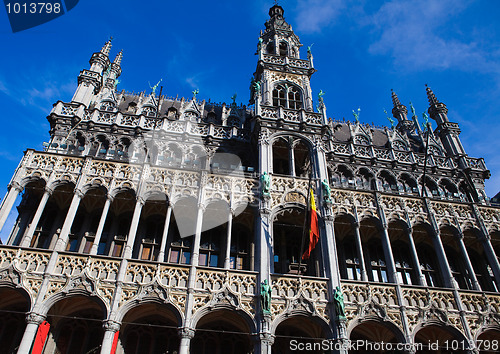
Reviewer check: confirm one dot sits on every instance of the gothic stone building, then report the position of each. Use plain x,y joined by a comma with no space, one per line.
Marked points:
143,223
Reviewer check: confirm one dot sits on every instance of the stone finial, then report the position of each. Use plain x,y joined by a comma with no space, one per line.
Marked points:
118,58
399,111
430,95
107,47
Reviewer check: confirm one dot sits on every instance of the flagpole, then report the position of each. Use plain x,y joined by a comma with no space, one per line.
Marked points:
425,161
308,200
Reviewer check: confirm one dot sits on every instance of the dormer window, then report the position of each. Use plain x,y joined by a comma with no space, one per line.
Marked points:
132,107
287,96
108,106
172,113
283,49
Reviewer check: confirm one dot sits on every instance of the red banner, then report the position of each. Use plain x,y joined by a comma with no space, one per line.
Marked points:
115,342
41,337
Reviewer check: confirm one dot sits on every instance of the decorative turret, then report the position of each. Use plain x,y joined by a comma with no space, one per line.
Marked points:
437,110
113,72
400,112
90,81
281,78
446,130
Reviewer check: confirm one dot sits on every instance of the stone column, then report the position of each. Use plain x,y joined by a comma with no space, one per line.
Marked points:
26,241
110,328
33,321
389,257
8,202
68,221
161,253
470,268
227,259
291,156
266,343
359,248
197,236
133,228
416,261
449,281
186,335
100,227
492,258
265,247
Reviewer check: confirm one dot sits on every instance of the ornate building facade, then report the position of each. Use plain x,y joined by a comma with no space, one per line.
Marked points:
144,226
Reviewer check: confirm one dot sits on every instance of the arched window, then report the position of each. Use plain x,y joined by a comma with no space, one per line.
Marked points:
270,48
281,157
287,96
283,49
172,114
108,106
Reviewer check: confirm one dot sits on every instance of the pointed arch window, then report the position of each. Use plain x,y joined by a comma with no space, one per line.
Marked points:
283,49
287,96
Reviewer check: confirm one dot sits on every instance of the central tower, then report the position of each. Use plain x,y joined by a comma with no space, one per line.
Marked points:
282,79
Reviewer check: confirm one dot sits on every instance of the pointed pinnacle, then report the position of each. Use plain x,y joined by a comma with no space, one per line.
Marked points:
118,58
395,99
107,47
430,95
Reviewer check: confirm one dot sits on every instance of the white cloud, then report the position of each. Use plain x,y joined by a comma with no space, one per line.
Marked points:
313,15
418,35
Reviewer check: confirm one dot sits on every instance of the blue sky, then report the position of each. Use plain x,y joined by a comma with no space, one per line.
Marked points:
362,50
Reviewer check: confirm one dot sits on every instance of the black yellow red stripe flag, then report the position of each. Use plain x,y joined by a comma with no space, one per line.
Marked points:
313,227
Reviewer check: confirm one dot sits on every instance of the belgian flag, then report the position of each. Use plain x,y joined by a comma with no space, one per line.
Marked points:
313,227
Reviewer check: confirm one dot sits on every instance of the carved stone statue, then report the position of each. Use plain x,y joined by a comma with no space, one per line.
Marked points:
356,114
309,49
412,110
153,88
389,119
426,119
338,299
266,183
327,191
265,297
321,102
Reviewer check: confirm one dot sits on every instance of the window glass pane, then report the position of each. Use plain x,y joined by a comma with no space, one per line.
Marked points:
408,279
186,258
375,275
117,251
232,262
350,274
240,263
384,276
101,248
146,252
88,246
214,260
203,259
174,256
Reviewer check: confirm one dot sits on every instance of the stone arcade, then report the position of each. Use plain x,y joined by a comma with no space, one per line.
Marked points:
138,220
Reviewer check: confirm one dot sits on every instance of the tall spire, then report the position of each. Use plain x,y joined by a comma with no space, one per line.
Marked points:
399,111
107,47
430,95
118,58
437,110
